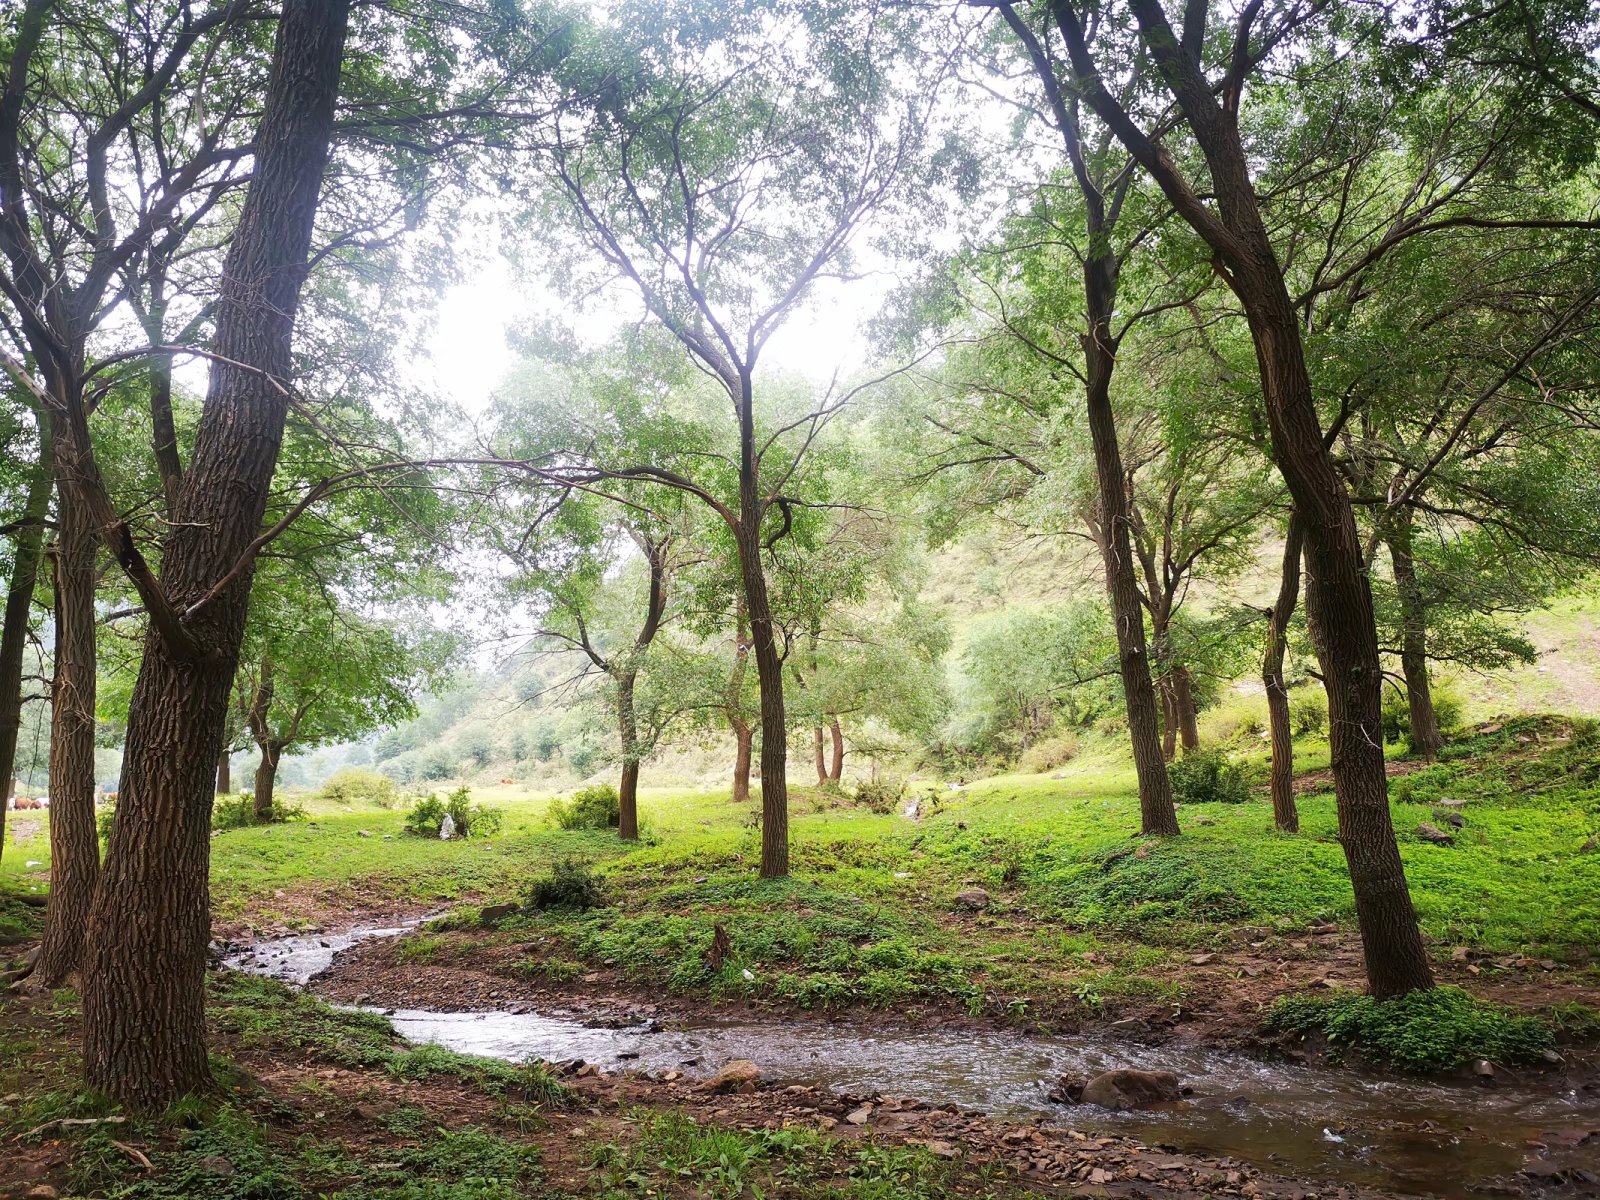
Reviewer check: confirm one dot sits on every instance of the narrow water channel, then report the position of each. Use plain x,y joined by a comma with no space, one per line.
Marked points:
1402,1135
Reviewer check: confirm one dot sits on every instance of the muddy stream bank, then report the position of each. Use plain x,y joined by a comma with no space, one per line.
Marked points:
1401,1135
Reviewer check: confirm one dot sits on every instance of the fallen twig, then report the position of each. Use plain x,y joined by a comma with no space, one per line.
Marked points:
134,1153
66,1122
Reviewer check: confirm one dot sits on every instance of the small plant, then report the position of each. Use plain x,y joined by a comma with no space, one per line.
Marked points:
571,884
426,817
1208,777
596,807
358,785
1308,711
1051,754
1447,709
1436,1030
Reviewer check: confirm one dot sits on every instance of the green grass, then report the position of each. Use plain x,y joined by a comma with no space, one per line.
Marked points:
1423,1031
671,1148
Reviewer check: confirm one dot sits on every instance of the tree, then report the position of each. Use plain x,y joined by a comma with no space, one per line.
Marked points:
1285,813
144,1032
27,539
724,173
1227,213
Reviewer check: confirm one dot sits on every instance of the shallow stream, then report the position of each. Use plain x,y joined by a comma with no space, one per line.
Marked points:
1402,1135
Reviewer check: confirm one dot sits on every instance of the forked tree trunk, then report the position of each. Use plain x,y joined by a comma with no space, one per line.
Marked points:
836,768
819,755
74,838
1285,813
1169,720
27,549
743,736
1183,702
628,786
144,977
1337,590
1426,737
225,771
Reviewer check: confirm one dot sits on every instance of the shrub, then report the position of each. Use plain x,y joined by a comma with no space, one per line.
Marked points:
882,795
239,812
1050,754
1308,710
471,820
1208,777
1447,707
1435,1030
571,884
596,807
354,785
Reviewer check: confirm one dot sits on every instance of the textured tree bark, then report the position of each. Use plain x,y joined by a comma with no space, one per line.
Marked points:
1426,737
28,545
1157,813
1183,702
1285,813
74,837
266,780
1169,720
144,971
743,736
819,756
225,771
836,768
628,786
1337,589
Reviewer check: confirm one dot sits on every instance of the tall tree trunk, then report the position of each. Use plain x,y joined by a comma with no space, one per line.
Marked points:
1337,588
836,770
819,756
225,771
74,837
144,978
1157,813
266,780
769,664
1183,702
27,548
628,733
1426,737
1285,813
743,736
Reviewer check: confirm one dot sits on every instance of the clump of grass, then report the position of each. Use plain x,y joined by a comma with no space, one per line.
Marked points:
231,812
597,807
571,885
358,785
1436,1030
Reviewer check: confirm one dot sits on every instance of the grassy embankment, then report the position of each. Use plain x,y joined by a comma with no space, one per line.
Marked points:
1085,918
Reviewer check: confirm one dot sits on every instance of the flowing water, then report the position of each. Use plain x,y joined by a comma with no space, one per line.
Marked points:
1403,1135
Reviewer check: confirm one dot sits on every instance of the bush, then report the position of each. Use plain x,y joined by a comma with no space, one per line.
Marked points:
471,820
1050,754
1447,707
571,884
882,795
1208,777
239,812
596,807
1435,1030
354,785
1308,710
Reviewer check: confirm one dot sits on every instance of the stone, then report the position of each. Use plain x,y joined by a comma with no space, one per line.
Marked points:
1430,832
734,1076
216,1164
364,833
859,1116
491,915
1126,1088
973,898
1453,819
43,1192
1483,1069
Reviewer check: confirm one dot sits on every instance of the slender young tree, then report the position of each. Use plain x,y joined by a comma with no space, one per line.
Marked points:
1285,813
